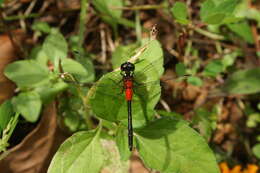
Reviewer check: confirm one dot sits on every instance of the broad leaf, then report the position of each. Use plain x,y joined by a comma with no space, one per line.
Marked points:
75,69
108,101
169,145
180,12
28,104
27,73
6,112
122,143
243,82
81,153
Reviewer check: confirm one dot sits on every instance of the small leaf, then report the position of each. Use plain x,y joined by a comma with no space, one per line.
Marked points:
41,26
180,69
27,73
28,104
75,69
243,82
256,150
180,12
122,143
213,68
6,112
82,152
172,146
55,47
243,30
194,81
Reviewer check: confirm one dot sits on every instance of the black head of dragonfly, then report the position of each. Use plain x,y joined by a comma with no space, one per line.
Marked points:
127,68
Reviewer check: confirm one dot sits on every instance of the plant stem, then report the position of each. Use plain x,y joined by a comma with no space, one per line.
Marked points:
8,131
138,28
140,7
208,34
82,22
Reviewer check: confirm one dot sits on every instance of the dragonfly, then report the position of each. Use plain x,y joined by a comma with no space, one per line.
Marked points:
134,90
140,83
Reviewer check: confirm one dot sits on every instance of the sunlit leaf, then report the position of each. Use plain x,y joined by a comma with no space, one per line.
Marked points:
82,152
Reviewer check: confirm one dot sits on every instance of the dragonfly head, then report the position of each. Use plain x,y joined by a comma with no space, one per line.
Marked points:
128,68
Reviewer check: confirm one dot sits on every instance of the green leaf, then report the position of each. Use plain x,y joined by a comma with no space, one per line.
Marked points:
122,143
243,30
82,152
180,12
213,68
169,145
108,101
256,150
28,104
75,69
55,48
195,81
27,73
6,112
41,26
243,82
180,69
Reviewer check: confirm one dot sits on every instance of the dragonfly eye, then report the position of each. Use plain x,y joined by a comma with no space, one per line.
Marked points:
127,67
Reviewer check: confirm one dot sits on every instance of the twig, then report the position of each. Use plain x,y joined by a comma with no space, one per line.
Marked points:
140,7
207,33
165,105
103,45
